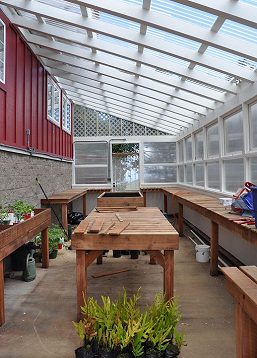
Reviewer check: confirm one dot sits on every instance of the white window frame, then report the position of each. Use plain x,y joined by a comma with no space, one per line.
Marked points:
4,27
66,101
51,118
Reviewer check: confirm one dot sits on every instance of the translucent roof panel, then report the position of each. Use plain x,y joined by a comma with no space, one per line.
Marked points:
118,21
116,41
64,5
249,2
183,12
239,31
213,73
166,57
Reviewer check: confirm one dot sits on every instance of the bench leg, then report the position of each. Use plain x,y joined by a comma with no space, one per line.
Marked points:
45,248
180,220
168,279
65,216
2,315
214,248
81,278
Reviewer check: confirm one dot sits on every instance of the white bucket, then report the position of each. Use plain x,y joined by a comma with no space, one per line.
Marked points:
202,253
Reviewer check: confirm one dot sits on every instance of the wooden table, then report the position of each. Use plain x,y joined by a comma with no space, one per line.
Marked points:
63,198
209,207
13,237
242,285
148,230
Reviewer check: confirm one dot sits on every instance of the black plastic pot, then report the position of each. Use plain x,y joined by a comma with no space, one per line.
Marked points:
171,352
124,355
105,353
134,254
116,253
153,353
53,254
83,352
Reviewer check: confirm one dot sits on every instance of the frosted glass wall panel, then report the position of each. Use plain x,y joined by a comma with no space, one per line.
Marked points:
189,174
188,144
181,173
199,174
199,145
180,152
90,175
155,153
213,175
213,141
234,174
160,174
253,170
233,133
91,153
253,125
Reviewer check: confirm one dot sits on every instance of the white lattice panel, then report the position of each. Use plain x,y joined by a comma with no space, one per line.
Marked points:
127,128
139,129
103,124
79,121
115,126
151,131
91,123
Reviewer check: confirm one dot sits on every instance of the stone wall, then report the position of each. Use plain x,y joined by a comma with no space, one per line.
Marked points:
18,173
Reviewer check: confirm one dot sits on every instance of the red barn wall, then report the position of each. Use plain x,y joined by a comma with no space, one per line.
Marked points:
23,102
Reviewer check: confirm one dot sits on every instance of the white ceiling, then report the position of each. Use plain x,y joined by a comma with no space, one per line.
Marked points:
165,64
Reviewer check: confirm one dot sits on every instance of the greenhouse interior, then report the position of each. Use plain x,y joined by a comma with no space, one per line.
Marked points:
128,166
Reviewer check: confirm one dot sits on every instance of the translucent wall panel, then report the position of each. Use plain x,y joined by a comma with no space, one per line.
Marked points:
233,133
189,174
181,173
199,145
91,153
199,174
253,170
234,174
213,175
90,175
160,174
188,144
253,125
213,141
159,153
180,152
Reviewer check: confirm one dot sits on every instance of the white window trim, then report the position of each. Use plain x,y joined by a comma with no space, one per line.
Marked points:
64,113
50,118
3,80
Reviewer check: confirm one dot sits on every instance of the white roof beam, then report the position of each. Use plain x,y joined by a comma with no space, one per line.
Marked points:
157,45
233,10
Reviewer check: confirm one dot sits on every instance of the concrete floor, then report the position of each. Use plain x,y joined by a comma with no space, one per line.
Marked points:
39,314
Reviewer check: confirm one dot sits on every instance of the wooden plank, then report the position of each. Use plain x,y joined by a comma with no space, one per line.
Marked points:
106,229
82,227
45,249
109,273
156,256
168,274
81,279
118,228
96,226
2,314
118,217
65,216
113,209
214,249
250,271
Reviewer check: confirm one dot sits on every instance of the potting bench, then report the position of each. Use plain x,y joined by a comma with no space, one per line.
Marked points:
147,230
13,237
242,285
64,198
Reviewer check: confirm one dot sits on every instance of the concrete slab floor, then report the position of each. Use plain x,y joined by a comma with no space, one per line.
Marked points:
39,314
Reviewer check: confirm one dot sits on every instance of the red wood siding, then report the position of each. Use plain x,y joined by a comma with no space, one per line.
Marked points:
23,100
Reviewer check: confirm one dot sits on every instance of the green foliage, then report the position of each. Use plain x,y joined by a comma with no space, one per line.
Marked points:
55,233
120,323
3,213
20,208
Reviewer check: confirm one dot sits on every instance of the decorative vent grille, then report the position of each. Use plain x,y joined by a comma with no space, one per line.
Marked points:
91,123
115,126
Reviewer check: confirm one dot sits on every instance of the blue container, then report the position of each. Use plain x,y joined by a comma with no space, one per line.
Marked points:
254,191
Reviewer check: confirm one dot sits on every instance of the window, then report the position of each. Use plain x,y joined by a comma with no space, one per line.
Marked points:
180,152
53,101
199,145
181,173
189,176
66,114
213,175
233,132
2,51
234,174
253,170
188,143
213,141
253,125
199,174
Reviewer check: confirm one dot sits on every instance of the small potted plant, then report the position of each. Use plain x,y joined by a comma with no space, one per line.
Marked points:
55,236
4,216
22,210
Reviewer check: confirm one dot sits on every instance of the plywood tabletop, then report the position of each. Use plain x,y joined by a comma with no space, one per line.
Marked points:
64,197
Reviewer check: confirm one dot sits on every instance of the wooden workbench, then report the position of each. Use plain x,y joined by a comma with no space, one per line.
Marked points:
242,285
148,230
13,237
63,198
209,207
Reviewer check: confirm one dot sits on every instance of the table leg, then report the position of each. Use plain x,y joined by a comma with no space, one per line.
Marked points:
165,204
45,248
84,199
246,334
214,248
81,279
65,216
99,260
144,195
2,315
180,220
168,279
